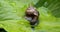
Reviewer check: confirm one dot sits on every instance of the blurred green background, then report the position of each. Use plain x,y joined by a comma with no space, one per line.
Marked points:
12,12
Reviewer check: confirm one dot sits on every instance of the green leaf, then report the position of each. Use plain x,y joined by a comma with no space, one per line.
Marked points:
12,15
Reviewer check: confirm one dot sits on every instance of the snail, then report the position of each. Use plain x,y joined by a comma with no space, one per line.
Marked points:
32,15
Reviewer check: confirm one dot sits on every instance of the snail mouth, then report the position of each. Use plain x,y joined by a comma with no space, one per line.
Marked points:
2,30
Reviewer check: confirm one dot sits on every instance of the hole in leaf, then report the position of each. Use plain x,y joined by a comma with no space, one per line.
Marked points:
2,30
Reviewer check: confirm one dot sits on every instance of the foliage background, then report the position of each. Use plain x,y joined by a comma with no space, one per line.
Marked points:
12,12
